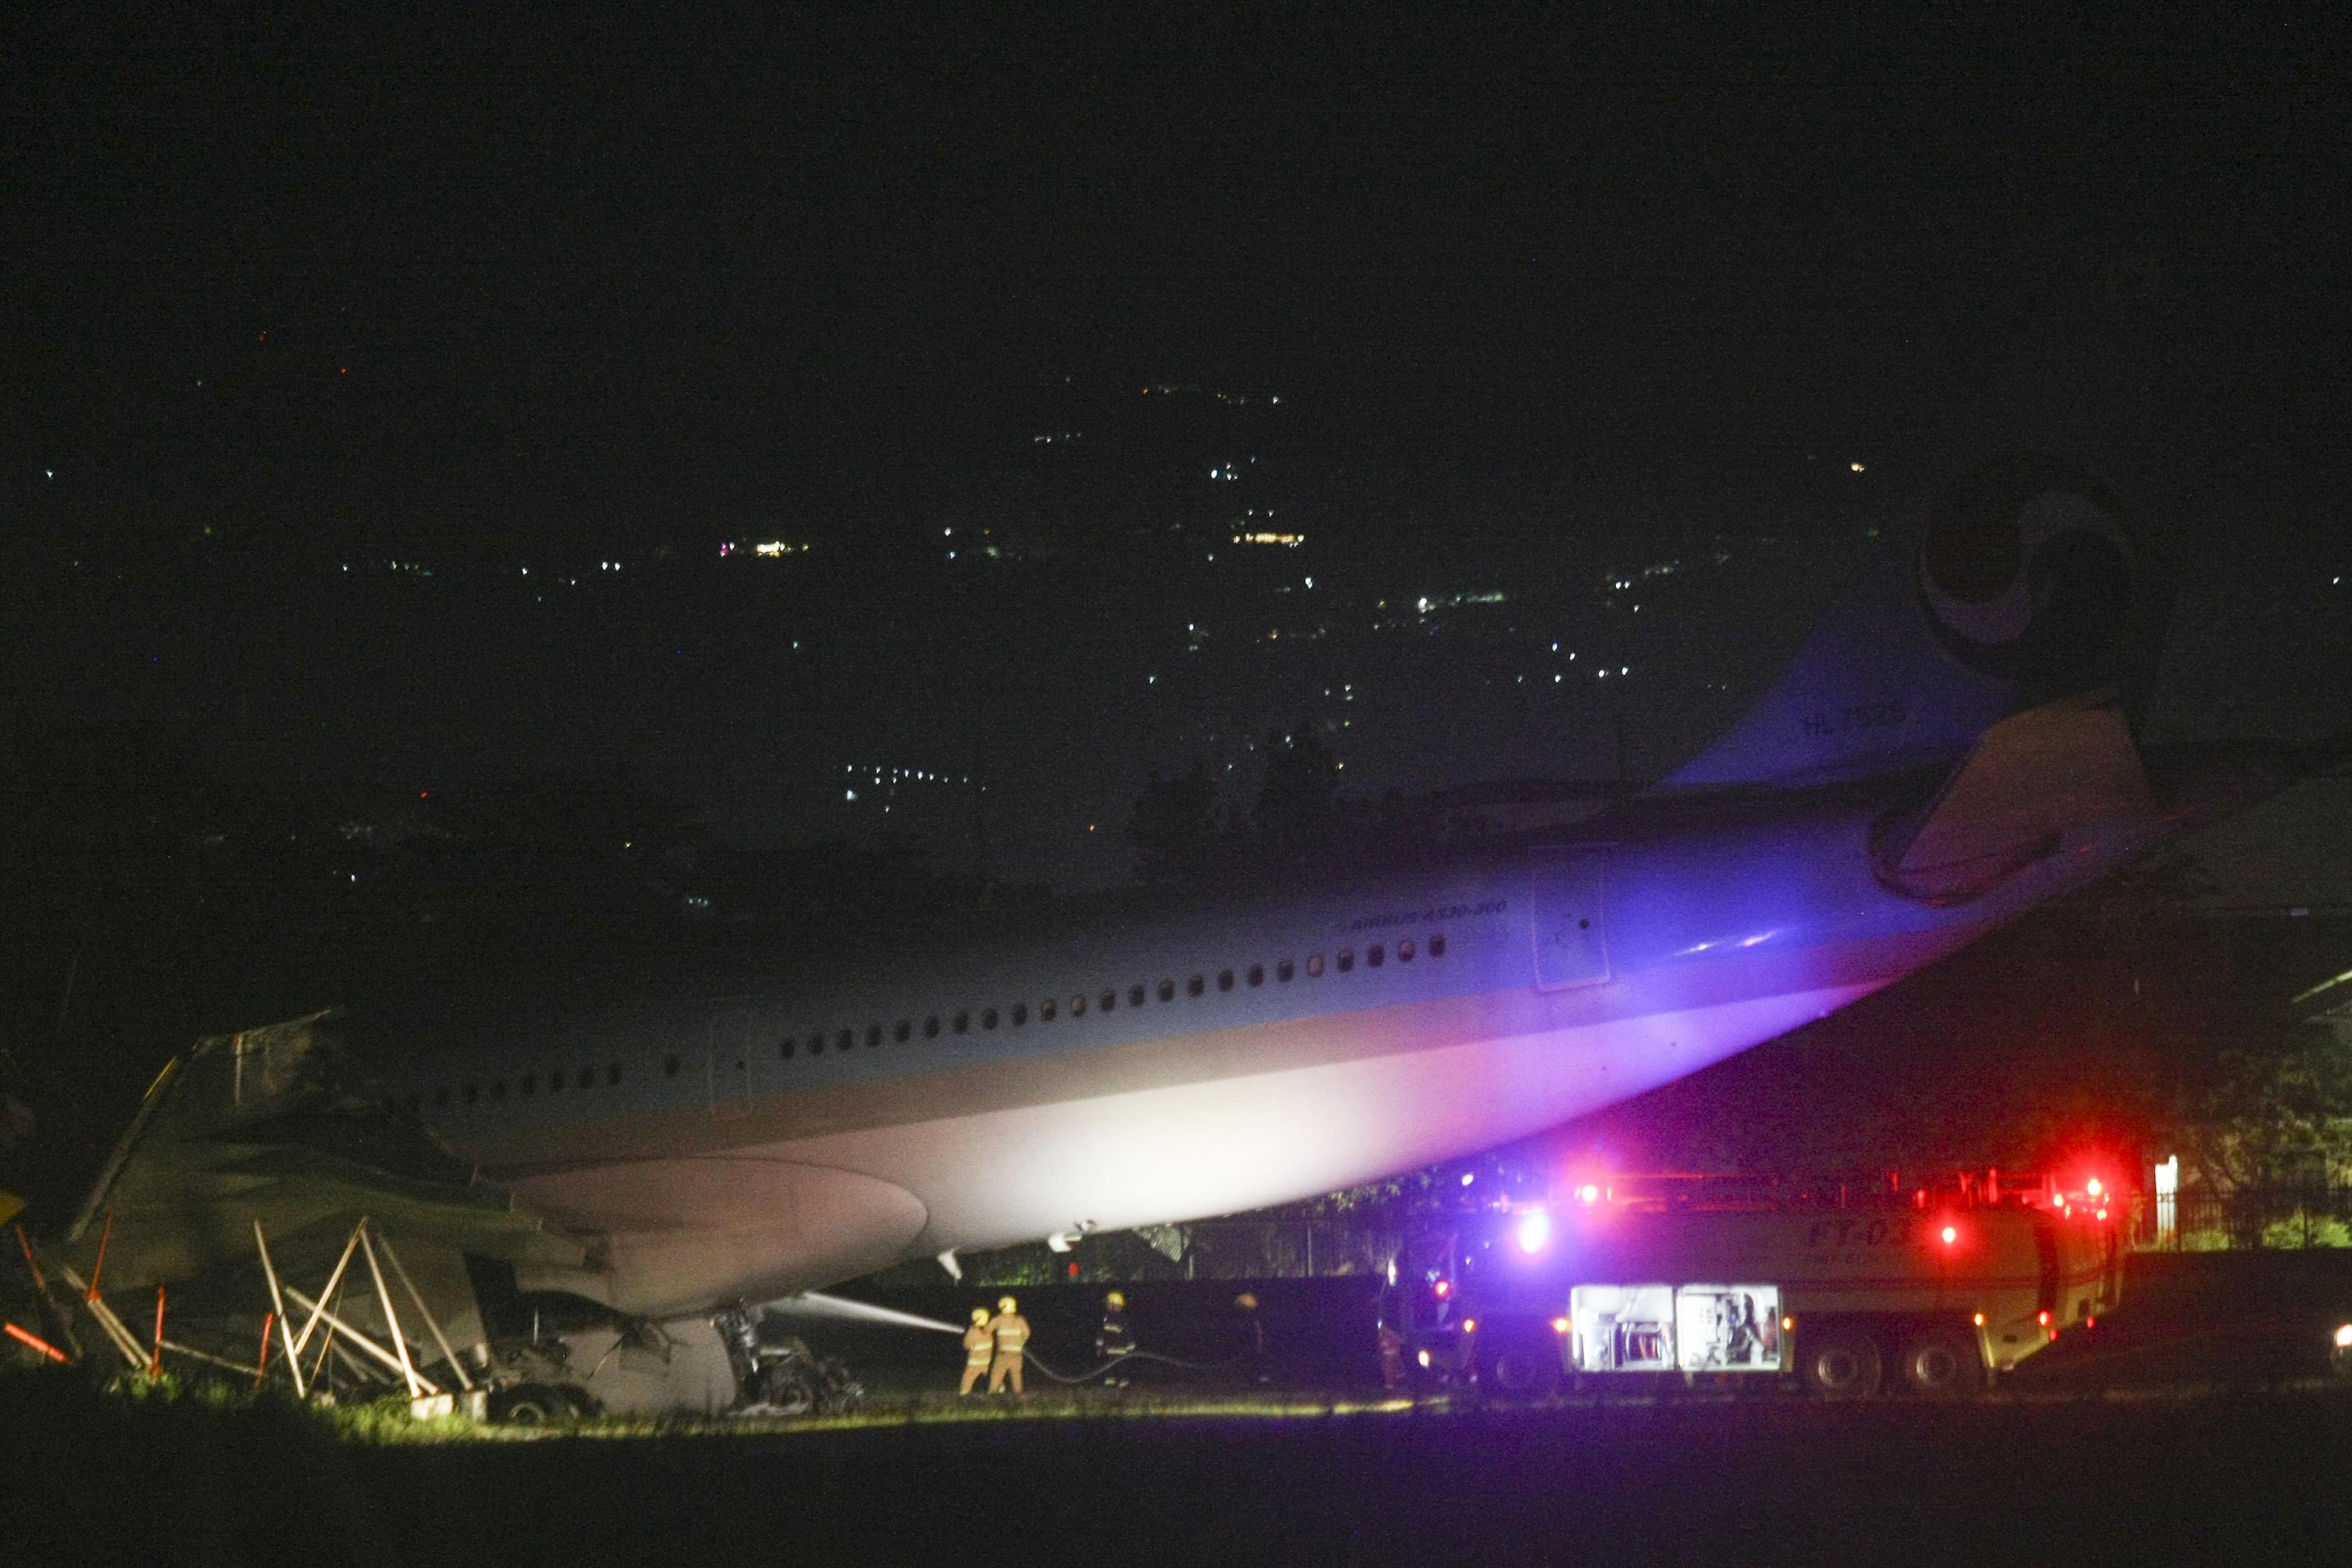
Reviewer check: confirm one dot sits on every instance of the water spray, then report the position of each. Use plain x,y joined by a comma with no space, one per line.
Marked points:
815,1304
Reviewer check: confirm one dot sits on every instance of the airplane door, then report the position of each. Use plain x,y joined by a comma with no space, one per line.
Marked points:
1564,905
732,1050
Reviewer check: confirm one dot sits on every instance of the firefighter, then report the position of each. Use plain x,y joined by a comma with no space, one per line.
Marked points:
1113,1341
1252,1338
979,1345
1010,1331
1392,1353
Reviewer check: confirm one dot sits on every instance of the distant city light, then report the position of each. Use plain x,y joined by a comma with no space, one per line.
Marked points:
1855,466
1267,536
775,547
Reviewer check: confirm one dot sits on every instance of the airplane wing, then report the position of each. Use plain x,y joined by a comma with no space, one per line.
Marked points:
276,1125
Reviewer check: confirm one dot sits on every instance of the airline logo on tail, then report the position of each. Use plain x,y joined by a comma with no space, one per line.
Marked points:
2028,583
2028,571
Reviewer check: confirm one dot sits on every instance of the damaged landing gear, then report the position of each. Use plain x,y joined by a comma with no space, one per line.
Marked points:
782,1377
533,1385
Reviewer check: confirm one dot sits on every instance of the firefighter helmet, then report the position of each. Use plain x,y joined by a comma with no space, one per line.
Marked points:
1007,1304
1115,1299
1246,1301
979,1315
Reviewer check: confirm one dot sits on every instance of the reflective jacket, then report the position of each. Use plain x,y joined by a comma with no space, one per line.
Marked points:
1011,1332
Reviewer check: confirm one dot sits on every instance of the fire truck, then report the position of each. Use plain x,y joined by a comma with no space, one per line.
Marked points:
1930,1292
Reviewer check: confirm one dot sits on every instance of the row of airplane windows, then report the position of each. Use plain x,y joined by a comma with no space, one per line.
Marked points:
843,1040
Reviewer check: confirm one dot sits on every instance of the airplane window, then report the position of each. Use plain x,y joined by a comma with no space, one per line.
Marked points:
1374,956
1168,991
555,1080
931,1027
1194,987
587,1078
473,1093
1109,1000
440,1097
905,1028
529,1083
1314,965
1257,975
1020,1014
1078,1006
1045,1011
499,1090
1347,960
841,1042
1135,995
962,1023
784,1047
988,1017
669,1067
1437,944
1284,970
1224,980
816,1042
613,1074
1405,951
873,1036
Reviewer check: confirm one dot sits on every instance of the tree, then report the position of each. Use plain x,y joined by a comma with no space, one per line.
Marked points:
1296,812
1173,826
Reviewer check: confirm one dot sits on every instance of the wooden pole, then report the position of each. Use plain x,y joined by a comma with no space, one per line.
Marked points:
425,1312
155,1362
39,1283
391,1318
358,1339
277,1310
261,1367
208,1357
99,1268
25,1336
116,1334
327,1291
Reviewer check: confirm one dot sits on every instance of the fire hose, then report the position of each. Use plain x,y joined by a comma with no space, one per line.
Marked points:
1231,1363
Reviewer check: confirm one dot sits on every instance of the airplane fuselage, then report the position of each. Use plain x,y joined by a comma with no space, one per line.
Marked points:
1175,1064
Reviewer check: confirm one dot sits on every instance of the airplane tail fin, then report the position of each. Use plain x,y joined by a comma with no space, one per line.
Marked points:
2023,580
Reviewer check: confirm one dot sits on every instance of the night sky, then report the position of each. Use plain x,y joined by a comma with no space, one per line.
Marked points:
381,400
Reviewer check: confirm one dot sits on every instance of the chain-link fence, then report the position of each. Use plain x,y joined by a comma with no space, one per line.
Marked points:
2275,1218
1283,1249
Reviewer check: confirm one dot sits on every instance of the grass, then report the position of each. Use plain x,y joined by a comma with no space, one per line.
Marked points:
173,1396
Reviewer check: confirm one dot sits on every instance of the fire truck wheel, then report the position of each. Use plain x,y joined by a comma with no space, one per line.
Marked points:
1843,1363
1939,1363
1522,1367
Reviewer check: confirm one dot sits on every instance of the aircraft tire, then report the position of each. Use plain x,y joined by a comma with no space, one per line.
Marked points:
1843,1363
1940,1363
529,1405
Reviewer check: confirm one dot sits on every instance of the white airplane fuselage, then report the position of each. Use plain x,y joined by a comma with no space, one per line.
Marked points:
759,1144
